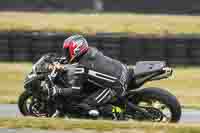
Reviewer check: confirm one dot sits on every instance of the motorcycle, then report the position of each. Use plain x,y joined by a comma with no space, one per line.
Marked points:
143,104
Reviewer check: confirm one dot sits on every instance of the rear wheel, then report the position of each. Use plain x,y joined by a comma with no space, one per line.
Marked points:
162,105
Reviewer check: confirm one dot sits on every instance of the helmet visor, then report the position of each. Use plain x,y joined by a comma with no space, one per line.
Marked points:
66,54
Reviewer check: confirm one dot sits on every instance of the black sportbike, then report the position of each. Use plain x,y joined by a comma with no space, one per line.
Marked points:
144,104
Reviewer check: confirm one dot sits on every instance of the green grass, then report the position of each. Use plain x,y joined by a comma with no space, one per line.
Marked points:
104,22
11,80
97,126
184,83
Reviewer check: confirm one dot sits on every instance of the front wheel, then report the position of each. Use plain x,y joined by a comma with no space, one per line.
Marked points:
160,103
31,106
23,101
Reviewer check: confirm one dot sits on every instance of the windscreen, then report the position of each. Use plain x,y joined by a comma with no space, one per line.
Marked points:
41,65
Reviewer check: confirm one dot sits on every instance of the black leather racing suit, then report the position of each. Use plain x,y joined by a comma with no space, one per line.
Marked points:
111,74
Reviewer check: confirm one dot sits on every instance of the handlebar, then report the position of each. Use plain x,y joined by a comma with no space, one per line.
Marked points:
61,60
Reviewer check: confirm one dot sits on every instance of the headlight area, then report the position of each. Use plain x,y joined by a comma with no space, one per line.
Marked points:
32,82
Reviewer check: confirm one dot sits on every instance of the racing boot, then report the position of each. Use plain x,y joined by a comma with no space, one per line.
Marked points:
112,112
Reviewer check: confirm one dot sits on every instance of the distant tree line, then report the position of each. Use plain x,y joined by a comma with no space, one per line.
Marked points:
175,50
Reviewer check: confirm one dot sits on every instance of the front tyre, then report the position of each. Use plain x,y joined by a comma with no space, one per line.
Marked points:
22,103
31,106
158,102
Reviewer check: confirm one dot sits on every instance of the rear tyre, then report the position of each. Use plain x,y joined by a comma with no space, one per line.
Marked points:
150,95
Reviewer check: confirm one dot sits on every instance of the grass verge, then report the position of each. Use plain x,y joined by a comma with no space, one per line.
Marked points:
11,80
99,22
97,126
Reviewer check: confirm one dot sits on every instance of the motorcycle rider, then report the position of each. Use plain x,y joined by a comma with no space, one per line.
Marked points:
91,64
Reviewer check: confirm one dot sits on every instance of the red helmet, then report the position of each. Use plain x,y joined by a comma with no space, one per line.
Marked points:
74,47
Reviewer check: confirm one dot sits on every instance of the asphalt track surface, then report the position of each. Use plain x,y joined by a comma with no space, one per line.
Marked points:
188,115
